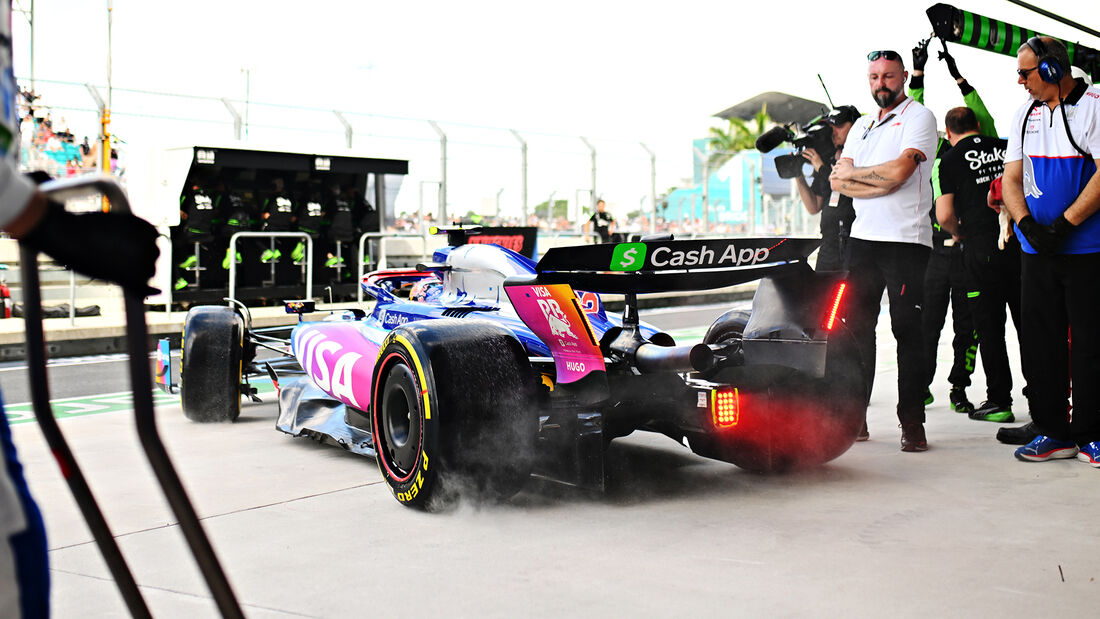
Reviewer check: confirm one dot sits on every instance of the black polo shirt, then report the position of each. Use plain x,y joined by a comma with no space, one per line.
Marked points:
966,171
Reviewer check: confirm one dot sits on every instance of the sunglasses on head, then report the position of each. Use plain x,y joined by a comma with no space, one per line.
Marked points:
888,54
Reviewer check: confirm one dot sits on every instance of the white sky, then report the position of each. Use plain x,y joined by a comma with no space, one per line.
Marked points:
617,73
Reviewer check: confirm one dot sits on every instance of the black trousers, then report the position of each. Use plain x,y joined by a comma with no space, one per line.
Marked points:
994,276
899,269
945,281
1058,304
833,255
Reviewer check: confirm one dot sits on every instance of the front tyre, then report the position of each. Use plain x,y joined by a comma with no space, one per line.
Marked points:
213,356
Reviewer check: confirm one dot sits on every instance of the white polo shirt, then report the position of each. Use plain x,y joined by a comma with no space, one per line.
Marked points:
901,216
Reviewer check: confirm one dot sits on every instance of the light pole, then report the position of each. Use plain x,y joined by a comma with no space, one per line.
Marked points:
28,14
580,216
499,191
652,189
420,210
442,172
592,151
523,175
705,158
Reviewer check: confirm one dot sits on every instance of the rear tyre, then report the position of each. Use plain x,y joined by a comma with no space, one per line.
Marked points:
210,371
452,413
728,326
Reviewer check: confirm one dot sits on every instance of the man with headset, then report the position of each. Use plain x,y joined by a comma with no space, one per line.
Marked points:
1052,191
885,168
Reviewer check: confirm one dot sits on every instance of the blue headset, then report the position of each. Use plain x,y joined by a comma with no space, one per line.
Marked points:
1050,70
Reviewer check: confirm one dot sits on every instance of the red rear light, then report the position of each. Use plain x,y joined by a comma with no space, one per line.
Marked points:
834,307
725,406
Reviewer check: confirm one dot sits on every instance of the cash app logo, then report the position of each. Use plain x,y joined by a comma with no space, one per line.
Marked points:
628,257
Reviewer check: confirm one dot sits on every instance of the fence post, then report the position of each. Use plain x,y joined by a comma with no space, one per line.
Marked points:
236,117
523,175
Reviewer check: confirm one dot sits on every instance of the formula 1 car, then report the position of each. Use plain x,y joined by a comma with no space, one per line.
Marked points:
494,368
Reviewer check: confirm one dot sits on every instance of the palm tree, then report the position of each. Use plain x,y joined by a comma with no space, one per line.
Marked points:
739,135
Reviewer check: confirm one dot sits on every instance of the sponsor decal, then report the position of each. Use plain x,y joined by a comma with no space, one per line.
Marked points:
554,314
513,242
327,357
417,483
628,257
978,158
1031,189
590,302
704,257
393,319
556,318
636,256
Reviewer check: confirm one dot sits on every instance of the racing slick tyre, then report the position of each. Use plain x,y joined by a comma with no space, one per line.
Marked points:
211,364
728,326
452,412
788,420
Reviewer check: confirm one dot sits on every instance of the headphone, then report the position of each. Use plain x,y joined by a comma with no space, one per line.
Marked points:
1050,70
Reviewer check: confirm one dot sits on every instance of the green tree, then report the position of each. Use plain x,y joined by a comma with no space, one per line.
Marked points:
738,135
561,209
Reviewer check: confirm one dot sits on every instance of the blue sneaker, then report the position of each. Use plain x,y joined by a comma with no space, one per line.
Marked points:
1090,453
1044,448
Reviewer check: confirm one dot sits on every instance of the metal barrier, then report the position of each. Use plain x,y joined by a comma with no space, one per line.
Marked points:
141,383
383,236
232,292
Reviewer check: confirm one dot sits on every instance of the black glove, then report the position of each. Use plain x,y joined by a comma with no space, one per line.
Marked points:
117,248
952,68
1043,239
920,55
1059,230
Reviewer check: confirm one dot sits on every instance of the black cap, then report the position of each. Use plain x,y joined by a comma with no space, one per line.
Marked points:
842,114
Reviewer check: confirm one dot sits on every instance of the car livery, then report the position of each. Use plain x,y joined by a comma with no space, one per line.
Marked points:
496,367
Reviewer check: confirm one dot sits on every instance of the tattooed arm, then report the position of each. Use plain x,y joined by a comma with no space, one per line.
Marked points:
889,175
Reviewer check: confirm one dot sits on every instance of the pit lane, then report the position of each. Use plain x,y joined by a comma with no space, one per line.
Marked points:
305,530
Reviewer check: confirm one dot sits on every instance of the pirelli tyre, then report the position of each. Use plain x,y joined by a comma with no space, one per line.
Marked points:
211,364
729,326
452,412
786,419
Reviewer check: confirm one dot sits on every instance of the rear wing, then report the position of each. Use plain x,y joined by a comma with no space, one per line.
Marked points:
666,266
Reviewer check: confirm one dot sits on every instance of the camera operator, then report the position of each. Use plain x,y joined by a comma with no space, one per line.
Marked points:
836,210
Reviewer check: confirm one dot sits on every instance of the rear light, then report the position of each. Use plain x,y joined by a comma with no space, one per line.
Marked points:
725,406
834,306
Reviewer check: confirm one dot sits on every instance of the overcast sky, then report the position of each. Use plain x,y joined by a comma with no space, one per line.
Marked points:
614,72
